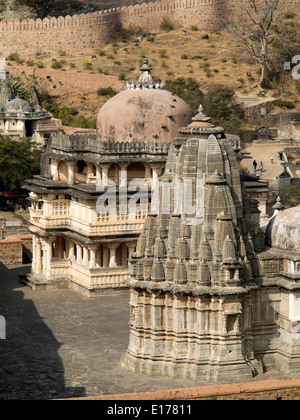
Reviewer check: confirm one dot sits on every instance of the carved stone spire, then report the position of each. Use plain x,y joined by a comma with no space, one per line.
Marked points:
145,81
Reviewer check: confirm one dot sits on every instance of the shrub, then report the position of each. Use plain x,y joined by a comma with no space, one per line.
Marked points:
289,15
162,53
87,65
193,28
285,104
122,76
109,91
183,57
117,62
14,57
166,25
40,64
101,53
56,65
150,39
297,83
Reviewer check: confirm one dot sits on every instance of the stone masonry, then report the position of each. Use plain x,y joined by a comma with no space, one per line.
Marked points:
94,29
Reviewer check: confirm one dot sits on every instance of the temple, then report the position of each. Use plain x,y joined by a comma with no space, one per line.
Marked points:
212,295
90,202
18,118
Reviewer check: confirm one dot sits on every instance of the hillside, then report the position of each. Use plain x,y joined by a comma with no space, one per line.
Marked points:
214,59
11,9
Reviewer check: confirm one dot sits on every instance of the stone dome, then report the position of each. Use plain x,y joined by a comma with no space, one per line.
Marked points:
143,112
283,230
18,105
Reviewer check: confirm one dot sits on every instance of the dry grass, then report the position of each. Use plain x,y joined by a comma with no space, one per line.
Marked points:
218,60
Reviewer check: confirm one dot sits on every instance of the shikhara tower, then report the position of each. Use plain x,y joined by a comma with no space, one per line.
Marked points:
198,308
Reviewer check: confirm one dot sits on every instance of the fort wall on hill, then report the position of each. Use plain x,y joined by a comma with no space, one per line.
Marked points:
93,30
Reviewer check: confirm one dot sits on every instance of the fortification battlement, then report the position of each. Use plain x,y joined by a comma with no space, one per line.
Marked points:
93,30
100,17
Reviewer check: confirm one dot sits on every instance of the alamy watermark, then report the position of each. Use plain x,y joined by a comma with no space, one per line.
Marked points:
165,197
2,328
294,64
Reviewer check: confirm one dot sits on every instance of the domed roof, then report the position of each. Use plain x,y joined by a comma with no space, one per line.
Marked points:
283,230
143,112
18,105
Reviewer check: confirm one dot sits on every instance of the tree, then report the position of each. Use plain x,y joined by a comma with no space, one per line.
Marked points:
290,194
255,32
188,90
41,7
18,162
220,105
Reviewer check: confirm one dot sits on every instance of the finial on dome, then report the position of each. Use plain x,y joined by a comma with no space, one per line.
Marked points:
145,81
201,116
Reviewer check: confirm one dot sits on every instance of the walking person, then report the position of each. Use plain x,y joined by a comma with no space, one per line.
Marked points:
261,166
254,165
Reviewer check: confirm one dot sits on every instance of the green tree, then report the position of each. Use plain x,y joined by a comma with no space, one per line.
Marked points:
187,89
18,162
42,7
289,194
220,105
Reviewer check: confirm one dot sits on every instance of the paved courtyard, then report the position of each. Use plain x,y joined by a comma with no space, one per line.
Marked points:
59,344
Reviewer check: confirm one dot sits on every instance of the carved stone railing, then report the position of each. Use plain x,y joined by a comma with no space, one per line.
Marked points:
85,220
90,143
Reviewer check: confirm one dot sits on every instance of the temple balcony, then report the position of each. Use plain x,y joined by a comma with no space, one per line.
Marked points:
83,219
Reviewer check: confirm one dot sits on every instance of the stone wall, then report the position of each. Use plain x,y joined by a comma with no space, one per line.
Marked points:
15,250
282,389
93,30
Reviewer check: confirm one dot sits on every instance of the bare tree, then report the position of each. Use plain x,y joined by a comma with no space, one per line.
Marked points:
254,31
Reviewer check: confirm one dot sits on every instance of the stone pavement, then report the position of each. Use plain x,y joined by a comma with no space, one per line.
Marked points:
60,344
263,152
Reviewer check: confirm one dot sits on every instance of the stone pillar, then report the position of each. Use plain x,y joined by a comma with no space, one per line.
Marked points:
98,173
105,169
131,248
85,256
79,253
71,251
156,171
38,257
89,172
71,172
33,254
48,257
54,169
147,171
123,174
93,251
105,256
112,255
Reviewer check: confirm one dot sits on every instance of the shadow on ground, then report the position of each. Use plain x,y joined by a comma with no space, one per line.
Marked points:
30,366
